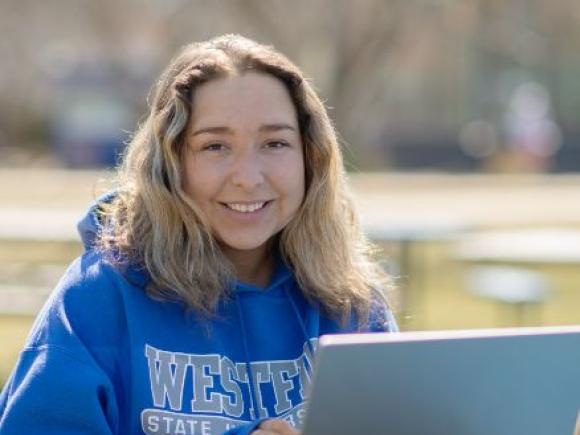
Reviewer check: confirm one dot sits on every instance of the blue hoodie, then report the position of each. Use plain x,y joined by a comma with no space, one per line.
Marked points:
103,357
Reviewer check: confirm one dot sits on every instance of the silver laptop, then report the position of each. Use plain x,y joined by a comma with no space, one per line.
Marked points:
523,381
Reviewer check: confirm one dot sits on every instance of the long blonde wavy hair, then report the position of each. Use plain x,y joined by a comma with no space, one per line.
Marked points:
154,223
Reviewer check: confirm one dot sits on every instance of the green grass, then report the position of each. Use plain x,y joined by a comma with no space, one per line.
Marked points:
439,298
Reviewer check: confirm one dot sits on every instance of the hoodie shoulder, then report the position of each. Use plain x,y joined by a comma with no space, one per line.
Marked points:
65,373
85,309
381,317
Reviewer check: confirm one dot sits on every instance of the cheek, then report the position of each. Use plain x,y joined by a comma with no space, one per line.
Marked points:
189,179
295,182
197,180
301,178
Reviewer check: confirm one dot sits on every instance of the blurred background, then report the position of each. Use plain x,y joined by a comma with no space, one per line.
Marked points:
458,121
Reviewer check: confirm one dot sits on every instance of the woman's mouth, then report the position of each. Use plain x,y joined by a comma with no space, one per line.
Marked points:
246,207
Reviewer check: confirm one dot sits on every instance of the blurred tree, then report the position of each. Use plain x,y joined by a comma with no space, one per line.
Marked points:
353,40
401,77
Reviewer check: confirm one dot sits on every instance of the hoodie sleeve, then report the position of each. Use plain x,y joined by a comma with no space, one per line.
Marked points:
62,382
52,392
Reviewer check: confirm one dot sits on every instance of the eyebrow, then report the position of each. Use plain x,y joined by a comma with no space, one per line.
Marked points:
227,130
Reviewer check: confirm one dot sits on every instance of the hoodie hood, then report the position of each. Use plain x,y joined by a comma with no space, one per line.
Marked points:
282,284
90,224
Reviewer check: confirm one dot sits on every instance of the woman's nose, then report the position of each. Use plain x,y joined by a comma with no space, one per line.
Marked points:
247,171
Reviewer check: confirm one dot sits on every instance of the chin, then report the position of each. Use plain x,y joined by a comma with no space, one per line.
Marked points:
243,245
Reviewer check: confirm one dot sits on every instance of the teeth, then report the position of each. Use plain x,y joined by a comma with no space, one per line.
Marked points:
246,208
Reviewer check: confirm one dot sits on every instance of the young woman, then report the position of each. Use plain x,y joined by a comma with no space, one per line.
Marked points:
228,248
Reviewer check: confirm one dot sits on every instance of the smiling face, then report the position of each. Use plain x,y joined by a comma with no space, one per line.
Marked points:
243,160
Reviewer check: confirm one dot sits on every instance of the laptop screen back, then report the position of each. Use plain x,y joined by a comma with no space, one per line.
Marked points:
502,382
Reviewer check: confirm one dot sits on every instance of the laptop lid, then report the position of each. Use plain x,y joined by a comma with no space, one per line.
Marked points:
481,382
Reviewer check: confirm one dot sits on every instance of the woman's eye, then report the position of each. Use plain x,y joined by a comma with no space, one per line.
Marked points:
213,147
276,144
